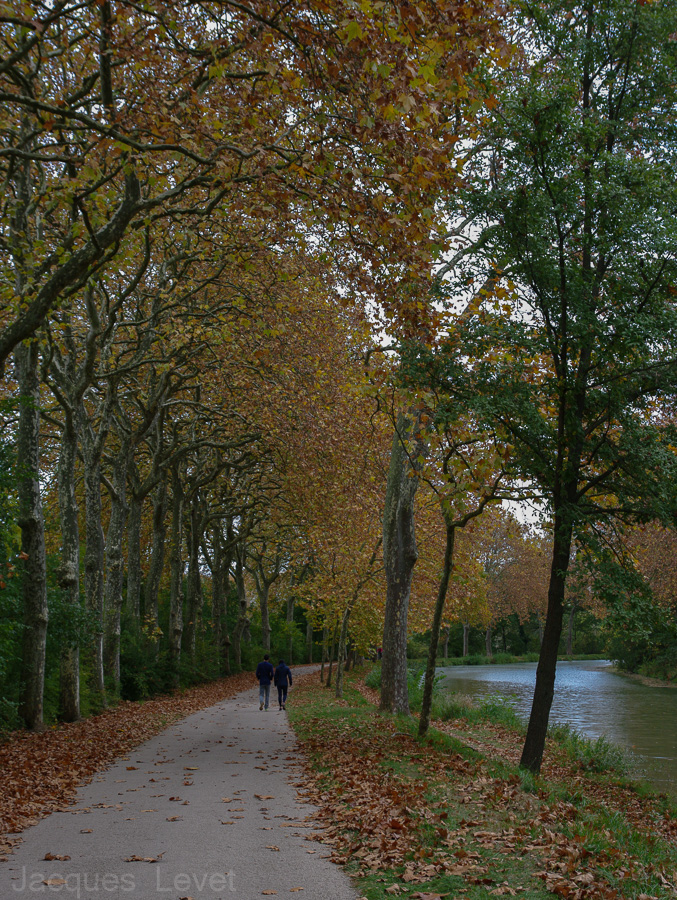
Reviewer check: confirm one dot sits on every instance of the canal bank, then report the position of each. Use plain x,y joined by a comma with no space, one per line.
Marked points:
595,700
644,679
452,815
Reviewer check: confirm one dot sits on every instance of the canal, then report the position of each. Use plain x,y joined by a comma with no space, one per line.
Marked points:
595,700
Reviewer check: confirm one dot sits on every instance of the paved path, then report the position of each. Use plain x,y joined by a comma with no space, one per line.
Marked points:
211,798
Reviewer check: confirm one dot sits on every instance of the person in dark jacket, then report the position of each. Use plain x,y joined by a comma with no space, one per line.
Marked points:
282,681
265,673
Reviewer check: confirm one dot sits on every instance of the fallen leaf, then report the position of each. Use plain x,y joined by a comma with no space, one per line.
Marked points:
50,856
148,859
272,847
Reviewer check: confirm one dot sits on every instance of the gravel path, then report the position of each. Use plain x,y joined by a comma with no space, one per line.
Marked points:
207,809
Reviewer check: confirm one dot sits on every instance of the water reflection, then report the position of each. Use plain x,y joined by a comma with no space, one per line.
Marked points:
595,700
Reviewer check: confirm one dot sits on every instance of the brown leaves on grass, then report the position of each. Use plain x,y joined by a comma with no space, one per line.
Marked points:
373,816
40,772
376,811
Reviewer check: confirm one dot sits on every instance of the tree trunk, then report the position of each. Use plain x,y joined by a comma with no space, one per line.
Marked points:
331,652
176,588
399,554
446,642
94,567
134,557
324,652
114,565
341,652
466,638
224,644
290,622
69,570
194,584
534,744
488,641
309,640
157,561
242,620
219,587
31,523
429,682
264,592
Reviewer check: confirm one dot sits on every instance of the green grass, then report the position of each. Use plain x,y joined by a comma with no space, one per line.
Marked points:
448,705
484,795
598,755
504,659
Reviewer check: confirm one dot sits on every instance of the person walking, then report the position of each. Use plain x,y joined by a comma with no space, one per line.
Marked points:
282,680
265,673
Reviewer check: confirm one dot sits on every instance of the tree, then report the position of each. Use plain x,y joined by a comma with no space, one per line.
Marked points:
576,349
115,118
464,467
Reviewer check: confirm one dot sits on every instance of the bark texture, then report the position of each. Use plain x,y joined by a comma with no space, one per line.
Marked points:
114,565
176,585
134,556
157,557
534,744
340,664
429,682
94,559
31,523
69,570
399,554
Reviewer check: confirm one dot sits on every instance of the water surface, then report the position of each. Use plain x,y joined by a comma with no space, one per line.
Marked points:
594,700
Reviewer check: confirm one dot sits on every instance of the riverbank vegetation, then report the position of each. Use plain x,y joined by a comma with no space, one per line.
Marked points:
452,814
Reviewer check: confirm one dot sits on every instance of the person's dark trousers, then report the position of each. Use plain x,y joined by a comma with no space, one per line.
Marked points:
282,694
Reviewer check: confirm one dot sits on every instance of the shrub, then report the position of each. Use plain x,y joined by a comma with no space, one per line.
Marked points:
663,666
500,710
9,715
448,706
598,755
143,671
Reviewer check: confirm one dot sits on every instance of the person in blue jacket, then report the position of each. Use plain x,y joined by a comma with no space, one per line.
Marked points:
264,673
282,680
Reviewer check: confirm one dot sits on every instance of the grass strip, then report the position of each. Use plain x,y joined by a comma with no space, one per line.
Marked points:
452,814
